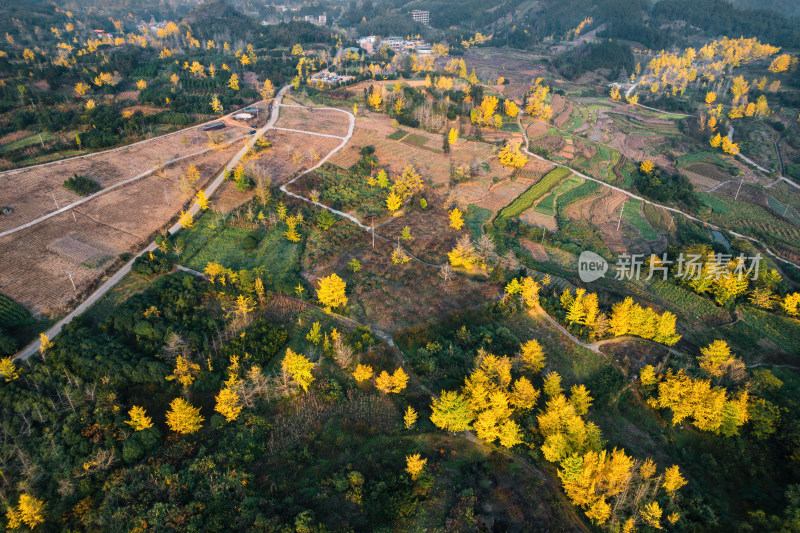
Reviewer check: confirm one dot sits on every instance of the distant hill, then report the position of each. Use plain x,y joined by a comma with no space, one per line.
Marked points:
219,21
790,8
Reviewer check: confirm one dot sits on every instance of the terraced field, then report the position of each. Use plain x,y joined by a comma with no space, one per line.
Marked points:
527,199
632,214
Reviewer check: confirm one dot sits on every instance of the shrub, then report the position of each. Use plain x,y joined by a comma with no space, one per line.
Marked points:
82,185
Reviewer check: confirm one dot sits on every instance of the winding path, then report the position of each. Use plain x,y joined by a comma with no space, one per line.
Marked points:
106,286
115,186
646,201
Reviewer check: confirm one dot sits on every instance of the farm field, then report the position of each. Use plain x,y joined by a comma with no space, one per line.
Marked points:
632,214
35,191
316,120
35,261
531,195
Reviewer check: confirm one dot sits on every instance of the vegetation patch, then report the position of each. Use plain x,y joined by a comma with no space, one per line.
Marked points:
82,185
534,192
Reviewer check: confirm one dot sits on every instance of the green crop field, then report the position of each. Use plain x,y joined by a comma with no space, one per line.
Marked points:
632,214
11,313
415,140
754,327
525,200
784,209
399,134
546,205
581,191
27,141
693,305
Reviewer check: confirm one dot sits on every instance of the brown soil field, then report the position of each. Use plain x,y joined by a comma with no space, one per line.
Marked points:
557,104
537,250
290,153
496,197
537,128
549,142
30,191
540,220
602,210
700,181
747,193
35,261
562,118
147,110
317,121
360,86
637,147
711,171
568,151
374,129
516,66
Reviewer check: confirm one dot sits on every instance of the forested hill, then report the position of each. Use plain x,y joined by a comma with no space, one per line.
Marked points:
218,20
661,25
790,8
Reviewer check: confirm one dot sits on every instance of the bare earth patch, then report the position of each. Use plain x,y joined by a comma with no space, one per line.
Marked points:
35,262
35,191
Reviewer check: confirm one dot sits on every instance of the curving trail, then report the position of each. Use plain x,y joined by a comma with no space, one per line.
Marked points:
112,187
123,147
646,201
106,286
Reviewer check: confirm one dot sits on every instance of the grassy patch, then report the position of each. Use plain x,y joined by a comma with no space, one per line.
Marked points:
581,191
399,134
784,209
510,126
633,216
525,200
758,329
415,140
206,242
717,206
475,217
693,305
27,141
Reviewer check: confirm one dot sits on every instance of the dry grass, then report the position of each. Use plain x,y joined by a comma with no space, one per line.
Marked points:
33,265
30,192
318,121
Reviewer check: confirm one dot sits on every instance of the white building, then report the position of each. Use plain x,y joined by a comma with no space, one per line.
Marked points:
423,17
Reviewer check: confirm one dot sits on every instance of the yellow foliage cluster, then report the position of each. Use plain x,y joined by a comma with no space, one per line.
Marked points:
629,318
709,408
464,255
139,420
484,114
331,291
536,98
374,99
298,367
29,511
392,383
415,464
8,371
712,61
510,156
183,417
457,66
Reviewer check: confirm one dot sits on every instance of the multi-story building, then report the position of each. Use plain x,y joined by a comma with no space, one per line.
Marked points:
423,17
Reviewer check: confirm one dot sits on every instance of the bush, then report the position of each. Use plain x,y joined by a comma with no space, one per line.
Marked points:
82,185
152,264
250,242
